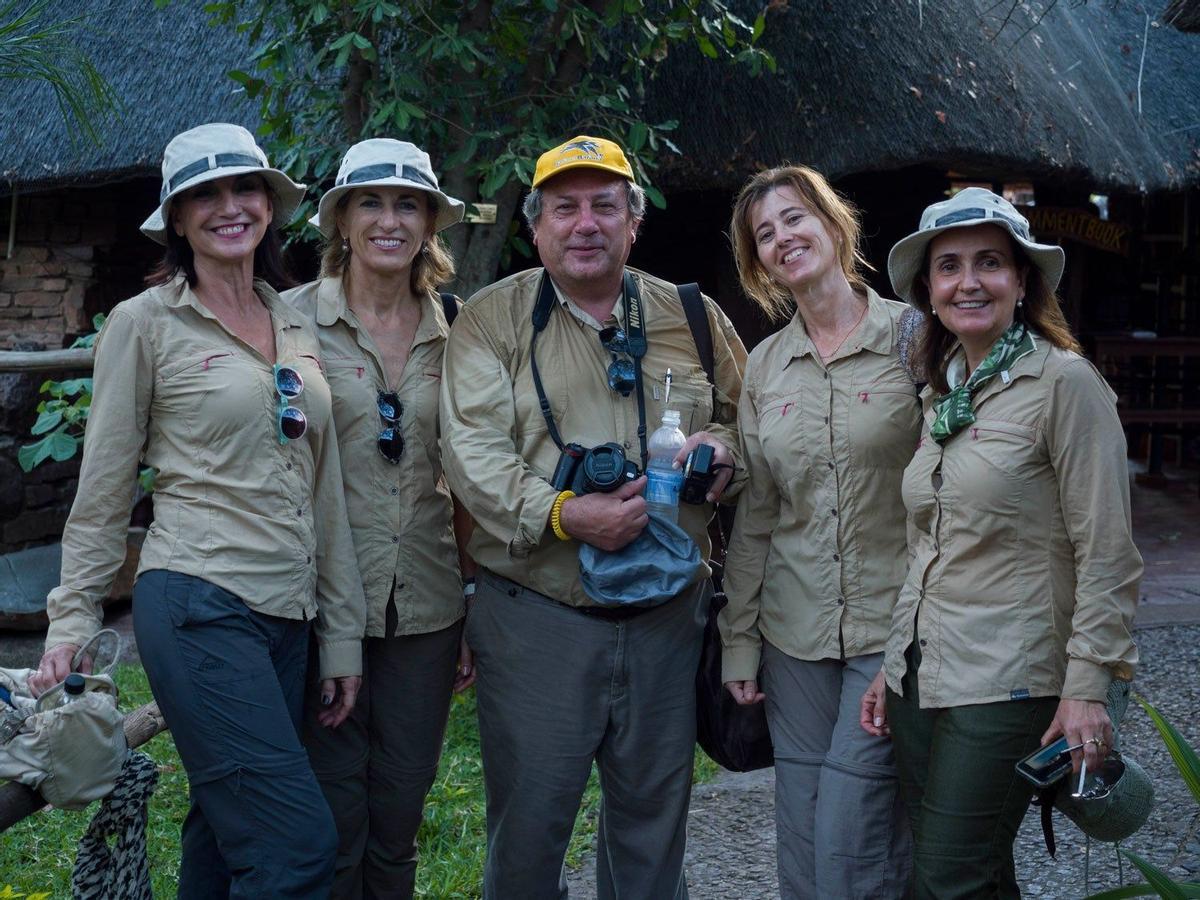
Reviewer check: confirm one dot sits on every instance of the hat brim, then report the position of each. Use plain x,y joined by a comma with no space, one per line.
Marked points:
450,211
906,257
288,195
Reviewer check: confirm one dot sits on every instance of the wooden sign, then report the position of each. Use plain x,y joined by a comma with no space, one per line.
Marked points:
1078,225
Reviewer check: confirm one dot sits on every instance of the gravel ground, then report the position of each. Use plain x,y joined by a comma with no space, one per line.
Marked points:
731,833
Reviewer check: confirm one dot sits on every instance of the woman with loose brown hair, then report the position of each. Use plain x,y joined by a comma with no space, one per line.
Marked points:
1015,616
383,327
828,420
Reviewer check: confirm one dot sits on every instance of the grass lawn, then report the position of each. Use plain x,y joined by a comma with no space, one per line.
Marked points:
37,855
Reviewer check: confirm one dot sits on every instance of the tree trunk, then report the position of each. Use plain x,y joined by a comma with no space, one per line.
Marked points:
481,245
18,801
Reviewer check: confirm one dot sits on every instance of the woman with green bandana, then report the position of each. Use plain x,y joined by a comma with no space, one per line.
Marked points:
1016,612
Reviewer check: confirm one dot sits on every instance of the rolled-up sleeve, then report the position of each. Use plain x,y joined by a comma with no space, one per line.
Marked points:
341,605
1087,450
480,460
745,564
93,544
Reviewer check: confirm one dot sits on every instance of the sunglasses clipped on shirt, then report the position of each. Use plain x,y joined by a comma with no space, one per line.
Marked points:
390,441
621,375
290,422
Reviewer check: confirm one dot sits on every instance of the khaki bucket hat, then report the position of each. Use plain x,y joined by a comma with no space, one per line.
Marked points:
969,207
217,150
385,162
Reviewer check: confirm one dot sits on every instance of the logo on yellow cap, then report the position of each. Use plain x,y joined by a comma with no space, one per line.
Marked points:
583,152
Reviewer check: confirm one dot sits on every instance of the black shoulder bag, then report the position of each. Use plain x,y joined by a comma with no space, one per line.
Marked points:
735,737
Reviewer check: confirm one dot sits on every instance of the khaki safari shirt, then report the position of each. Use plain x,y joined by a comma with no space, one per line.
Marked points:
497,450
818,553
401,515
1024,574
263,520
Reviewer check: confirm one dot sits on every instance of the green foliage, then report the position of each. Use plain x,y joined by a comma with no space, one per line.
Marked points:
33,48
484,86
39,853
61,418
1159,883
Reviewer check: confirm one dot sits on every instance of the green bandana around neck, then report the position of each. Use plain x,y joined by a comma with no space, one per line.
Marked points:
954,411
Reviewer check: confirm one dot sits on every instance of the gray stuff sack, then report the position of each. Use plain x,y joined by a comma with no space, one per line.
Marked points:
657,565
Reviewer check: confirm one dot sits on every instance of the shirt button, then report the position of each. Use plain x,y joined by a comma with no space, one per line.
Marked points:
836,558
833,512
395,491
921,642
308,559
841,601
395,538
826,376
300,512
626,445
827,420
289,467
830,463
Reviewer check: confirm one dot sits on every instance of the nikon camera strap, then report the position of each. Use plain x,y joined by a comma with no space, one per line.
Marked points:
635,332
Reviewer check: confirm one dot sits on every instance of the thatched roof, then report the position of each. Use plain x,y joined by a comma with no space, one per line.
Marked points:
864,86
1183,14
882,84
169,68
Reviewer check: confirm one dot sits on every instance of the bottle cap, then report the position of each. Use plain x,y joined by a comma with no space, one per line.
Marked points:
671,417
74,683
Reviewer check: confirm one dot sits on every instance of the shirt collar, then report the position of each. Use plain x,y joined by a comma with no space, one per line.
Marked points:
177,293
877,333
585,317
332,305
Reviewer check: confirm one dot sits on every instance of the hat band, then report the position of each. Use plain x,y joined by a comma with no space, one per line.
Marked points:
386,170
978,212
217,161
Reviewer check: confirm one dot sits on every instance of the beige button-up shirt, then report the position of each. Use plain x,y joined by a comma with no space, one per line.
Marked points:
263,520
818,555
497,450
1024,574
401,515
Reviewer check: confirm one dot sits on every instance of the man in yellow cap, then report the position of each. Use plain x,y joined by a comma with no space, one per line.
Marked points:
540,367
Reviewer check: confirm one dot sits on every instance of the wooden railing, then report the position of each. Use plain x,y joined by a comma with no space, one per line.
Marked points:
1151,377
44,360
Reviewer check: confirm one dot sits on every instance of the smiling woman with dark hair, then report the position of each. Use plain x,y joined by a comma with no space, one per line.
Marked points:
1022,582
215,382
383,328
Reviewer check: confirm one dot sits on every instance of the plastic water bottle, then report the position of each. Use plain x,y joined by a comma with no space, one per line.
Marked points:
663,480
73,689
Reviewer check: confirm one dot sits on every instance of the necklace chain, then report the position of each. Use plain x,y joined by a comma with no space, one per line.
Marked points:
862,315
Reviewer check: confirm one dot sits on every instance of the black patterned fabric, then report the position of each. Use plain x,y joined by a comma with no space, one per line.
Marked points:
120,872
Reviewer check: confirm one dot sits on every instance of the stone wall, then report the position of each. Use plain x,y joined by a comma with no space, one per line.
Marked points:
77,252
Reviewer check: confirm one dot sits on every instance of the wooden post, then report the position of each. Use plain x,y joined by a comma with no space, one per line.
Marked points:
18,801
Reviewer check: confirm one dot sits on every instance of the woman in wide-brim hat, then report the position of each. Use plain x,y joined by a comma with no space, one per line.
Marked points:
212,380
1015,616
383,327
828,421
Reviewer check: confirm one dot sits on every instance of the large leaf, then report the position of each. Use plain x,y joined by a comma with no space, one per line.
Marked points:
1181,751
47,420
1167,888
1190,890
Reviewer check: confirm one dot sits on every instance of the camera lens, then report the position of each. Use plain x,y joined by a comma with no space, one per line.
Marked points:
604,468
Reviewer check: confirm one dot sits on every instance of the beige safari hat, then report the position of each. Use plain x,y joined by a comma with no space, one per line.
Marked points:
217,150
969,207
385,162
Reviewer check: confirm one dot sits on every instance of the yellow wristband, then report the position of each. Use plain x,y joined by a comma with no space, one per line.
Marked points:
556,515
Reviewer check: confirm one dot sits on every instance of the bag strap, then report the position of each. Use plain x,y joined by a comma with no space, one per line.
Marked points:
450,304
697,319
79,655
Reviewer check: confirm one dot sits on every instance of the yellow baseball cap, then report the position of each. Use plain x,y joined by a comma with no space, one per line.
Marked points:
583,152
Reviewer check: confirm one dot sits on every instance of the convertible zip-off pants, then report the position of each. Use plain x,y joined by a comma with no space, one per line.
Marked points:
964,796
559,688
230,684
377,766
841,828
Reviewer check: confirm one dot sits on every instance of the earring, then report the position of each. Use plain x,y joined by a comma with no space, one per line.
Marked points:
1020,302
345,245
934,311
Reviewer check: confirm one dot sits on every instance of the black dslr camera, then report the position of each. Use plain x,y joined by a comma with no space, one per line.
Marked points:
601,469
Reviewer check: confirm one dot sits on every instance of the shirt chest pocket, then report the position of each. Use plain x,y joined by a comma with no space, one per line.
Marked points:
354,396
691,394
992,464
782,434
421,401
214,390
884,420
